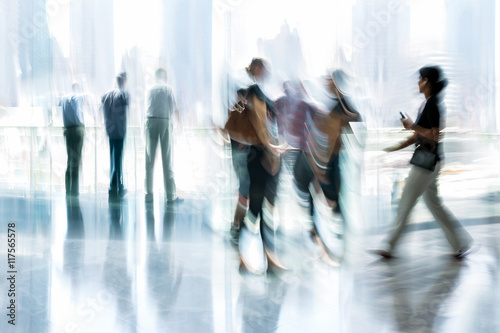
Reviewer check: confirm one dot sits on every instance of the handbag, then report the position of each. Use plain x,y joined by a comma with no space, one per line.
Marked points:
240,128
425,155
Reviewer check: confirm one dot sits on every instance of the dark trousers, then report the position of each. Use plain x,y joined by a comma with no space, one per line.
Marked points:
115,170
239,154
332,190
303,175
262,184
74,136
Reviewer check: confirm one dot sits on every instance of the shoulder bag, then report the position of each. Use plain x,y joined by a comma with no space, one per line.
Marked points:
425,155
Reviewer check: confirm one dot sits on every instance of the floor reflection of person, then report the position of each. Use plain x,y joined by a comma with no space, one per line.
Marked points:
261,309
422,182
420,318
74,219
116,273
74,244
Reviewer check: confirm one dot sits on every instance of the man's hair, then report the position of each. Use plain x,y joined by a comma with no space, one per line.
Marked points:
75,87
160,72
121,78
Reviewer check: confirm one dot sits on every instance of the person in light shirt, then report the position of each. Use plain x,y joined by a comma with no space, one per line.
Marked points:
160,110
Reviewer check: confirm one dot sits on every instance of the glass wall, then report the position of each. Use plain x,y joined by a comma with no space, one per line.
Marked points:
48,44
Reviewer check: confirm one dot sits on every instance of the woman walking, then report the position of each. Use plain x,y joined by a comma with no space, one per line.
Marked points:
421,181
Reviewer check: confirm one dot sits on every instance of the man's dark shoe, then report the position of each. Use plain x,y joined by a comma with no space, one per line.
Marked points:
175,200
383,253
122,193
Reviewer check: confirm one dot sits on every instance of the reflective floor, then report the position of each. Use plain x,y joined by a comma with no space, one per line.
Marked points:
91,266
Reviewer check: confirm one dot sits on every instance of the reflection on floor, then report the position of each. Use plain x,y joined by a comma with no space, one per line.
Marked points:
90,265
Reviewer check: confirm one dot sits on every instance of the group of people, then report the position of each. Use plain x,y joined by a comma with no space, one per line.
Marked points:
264,134
262,131
160,110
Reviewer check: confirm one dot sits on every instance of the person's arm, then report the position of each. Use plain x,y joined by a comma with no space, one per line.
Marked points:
87,100
176,112
403,144
432,116
258,119
103,109
349,114
421,131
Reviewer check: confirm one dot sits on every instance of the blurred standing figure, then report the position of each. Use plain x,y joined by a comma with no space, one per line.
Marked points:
293,112
320,159
423,182
239,153
115,106
160,109
339,84
318,163
74,133
256,241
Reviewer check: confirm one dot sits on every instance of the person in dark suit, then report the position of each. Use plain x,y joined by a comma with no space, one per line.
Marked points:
422,182
74,133
115,107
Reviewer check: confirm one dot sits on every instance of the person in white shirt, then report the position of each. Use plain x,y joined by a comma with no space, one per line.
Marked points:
160,109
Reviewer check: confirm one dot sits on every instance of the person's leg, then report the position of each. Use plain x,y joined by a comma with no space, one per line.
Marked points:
269,230
332,190
119,163
417,182
303,175
457,236
74,143
151,131
239,154
270,191
251,247
258,178
79,136
69,152
112,185
166,156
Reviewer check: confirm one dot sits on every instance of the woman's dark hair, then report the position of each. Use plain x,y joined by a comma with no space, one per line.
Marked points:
436,78
255,62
